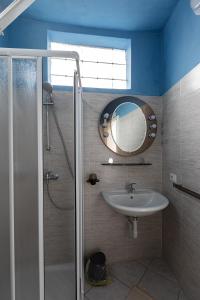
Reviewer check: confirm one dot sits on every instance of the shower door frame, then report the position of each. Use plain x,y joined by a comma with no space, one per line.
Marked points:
77,94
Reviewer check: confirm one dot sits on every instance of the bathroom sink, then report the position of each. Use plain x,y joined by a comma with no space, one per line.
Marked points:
140,203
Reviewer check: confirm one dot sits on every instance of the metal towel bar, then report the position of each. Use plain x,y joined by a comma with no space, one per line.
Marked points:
186,190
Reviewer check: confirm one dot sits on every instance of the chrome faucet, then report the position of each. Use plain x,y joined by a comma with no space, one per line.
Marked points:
131,187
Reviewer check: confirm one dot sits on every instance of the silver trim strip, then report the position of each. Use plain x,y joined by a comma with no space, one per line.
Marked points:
79,187
11,180
40,178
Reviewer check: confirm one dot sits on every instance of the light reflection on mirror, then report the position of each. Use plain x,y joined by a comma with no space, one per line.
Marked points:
129,127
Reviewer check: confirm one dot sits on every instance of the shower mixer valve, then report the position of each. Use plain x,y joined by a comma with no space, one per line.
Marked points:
49,175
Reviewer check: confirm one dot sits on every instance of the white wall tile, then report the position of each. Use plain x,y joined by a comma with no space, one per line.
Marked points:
181,144
104,229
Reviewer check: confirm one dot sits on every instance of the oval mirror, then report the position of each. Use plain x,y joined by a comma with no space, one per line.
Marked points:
128,115
128,126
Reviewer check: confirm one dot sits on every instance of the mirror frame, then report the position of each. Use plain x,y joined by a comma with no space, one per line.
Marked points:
105,125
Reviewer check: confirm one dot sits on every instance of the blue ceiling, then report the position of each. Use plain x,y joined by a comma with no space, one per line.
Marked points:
130,15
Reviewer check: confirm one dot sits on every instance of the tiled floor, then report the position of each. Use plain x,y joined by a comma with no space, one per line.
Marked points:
138,280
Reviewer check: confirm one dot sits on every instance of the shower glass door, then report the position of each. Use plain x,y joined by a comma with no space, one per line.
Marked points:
21,204
40,181
5,228
59,194
27,194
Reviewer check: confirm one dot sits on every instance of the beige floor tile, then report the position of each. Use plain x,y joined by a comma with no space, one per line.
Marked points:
158,287
159,266
137,294
87,286
182,296
114,291
145,261
129,272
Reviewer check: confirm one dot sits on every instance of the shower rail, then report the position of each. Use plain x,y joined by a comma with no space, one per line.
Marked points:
44,53
186,190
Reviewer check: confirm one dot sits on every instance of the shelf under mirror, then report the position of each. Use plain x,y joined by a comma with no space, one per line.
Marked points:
126,164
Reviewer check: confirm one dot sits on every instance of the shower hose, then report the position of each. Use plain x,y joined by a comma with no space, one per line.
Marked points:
70,207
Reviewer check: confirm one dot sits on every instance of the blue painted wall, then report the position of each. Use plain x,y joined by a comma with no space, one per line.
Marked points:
181,43
146,56
159,59
131,15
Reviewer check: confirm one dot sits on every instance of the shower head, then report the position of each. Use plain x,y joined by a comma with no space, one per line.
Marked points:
48,87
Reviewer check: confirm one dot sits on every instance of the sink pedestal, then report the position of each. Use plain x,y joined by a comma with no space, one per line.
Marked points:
133,227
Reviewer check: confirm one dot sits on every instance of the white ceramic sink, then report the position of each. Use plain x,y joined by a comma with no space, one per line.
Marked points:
140,203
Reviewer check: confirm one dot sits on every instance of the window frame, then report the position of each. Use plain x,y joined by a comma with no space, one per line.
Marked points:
93,41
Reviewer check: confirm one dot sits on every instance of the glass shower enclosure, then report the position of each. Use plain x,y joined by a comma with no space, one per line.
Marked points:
26,192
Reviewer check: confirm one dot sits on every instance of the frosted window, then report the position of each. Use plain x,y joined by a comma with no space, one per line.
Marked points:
61,80
100,67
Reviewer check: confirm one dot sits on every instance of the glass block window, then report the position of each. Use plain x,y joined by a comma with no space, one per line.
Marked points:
100,67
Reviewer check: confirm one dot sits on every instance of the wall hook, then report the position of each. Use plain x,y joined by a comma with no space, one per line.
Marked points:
93,179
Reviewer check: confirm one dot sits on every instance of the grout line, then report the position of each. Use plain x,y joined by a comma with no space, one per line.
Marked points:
141,278
163,275
90,288
145,265
142,291
130,288
146,293
121,281
179,295
147,269
85,293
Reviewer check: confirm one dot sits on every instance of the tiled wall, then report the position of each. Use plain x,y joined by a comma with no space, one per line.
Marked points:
181,155
105,229
59,225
